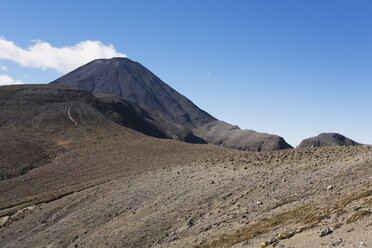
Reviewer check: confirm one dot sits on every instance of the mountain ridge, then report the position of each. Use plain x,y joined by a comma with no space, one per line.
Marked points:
229,136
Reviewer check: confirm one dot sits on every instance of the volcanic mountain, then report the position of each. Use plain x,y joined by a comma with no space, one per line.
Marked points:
229,136
327,139
131,80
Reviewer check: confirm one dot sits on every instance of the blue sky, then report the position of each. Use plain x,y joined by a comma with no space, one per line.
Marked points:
292,68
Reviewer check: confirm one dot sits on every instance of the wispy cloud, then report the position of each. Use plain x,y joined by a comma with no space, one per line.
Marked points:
6,80
62,59
4,68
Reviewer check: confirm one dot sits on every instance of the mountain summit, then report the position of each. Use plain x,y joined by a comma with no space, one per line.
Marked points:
131,80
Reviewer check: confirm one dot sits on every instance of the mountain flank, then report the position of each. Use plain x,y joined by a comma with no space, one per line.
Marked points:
56,139
144,120
51,104
229,136
328,139
60,110
131,80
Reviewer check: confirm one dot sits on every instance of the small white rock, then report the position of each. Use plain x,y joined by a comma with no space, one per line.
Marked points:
329,187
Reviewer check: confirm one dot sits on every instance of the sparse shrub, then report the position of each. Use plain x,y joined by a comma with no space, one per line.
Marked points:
358,216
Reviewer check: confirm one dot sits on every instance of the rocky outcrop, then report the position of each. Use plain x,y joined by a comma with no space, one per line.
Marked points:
229,136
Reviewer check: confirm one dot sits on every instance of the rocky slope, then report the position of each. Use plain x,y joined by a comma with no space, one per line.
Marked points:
57,138
50,111
128,79
327,139
225,199
229,136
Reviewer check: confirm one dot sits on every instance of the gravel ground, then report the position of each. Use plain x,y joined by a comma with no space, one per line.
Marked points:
240,200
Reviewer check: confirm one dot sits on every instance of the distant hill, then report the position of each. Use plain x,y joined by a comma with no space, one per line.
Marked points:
126,78
327,139
229,136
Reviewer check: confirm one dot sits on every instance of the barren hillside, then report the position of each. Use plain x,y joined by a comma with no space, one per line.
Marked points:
72,177
240,199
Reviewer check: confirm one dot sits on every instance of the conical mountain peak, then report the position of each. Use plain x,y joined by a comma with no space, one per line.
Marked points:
123,77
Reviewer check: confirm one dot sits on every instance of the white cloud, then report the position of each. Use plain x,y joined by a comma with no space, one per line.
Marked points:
6,80
4,68
63,59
